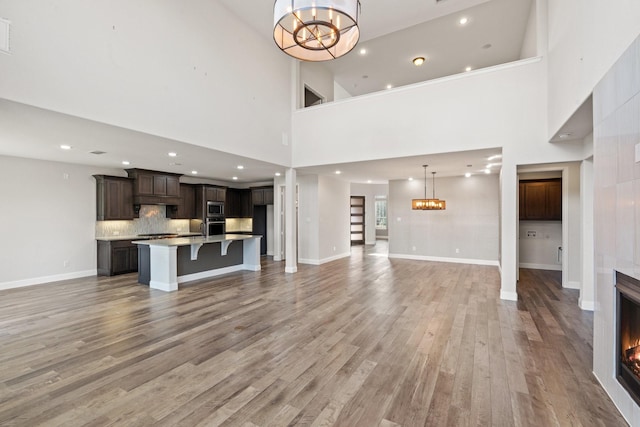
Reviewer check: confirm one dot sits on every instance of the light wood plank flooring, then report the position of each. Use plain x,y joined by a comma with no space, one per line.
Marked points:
363,341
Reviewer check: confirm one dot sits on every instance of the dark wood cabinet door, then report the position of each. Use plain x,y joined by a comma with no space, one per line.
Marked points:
159,185
541,200
221,194
232,204
120,260
114,198
211,194
554,200
172,186
187,207
268,196
246,207
257,195
145,184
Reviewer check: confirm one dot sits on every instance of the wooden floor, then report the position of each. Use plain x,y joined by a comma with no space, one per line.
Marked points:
363,341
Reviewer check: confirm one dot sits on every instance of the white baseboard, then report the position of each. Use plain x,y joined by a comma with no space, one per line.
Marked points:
47,279
533,266
209,273
372,242
445,259
324,260
291,269
587,305
382,237
509,296
572,285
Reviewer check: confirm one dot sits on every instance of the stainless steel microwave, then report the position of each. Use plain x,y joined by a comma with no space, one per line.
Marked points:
215,210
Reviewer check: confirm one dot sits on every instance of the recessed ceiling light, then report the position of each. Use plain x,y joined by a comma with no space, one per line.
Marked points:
464,20
467,175
235,178
389,86
495,156
338,172
468,69
65,147
240,167
172,154
418,61
368,181
410,178
565,135
363,51
278,174
487,171
194,172
126,162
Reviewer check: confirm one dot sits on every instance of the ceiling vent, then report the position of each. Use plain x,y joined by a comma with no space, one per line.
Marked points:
5,33
97,152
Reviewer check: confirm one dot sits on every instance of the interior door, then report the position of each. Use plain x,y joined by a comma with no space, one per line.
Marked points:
357,220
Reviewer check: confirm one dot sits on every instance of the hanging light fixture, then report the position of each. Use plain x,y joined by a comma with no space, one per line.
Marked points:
425,204
316,30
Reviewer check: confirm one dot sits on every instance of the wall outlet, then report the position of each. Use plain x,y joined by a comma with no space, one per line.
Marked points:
532,233
413,248
65,263
65,176
334,249
457,250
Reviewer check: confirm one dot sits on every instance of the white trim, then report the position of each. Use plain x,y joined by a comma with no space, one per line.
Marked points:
293,269
371,242
509,296
618,388
324,260
445,259
587,305
572,285
211,273
534,266
47,279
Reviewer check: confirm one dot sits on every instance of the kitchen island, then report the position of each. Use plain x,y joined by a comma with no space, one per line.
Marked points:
164,263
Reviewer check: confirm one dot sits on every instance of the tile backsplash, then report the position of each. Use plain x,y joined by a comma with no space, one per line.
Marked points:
153,219
239,224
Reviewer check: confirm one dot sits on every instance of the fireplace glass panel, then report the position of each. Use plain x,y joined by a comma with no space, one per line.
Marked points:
628,291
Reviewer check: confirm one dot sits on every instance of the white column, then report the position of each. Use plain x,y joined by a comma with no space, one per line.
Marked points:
508,228
291,218
251,254
164,267
587,291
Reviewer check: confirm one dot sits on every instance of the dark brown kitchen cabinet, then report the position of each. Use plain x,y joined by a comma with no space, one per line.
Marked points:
238,203
153,187
186,209
208,193
117,257
541,200
114,198
262,195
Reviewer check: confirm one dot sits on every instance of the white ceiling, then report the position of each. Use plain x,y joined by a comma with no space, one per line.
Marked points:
393,35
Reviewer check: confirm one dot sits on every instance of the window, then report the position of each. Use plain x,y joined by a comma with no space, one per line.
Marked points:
381,214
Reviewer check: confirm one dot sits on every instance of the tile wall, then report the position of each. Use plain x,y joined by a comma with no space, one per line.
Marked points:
616,118
152,219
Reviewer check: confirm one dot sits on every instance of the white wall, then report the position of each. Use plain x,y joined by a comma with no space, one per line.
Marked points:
530,42
467,231
308,219
334,222
162,67
339,92
540,251
585,37
616,102
369,191
47,220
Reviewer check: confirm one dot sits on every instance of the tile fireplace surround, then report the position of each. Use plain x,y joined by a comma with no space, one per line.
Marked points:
616,118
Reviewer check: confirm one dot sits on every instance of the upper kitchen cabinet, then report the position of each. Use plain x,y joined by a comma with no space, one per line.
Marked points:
238,203
153,187
262,195
208,193
541,200
114,198
186,209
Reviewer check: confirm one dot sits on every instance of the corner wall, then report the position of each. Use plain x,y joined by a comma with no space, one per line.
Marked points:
49,220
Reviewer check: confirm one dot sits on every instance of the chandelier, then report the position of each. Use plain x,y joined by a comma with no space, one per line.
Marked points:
316,30
425,204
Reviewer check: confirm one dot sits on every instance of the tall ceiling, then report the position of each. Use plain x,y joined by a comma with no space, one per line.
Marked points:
392,36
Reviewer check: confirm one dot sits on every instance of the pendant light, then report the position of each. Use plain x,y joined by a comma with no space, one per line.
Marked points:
316,30
425,204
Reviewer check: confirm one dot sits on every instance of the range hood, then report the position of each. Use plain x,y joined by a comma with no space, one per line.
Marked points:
155,188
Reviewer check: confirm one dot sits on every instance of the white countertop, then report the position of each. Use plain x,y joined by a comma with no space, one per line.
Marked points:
197,240
137,237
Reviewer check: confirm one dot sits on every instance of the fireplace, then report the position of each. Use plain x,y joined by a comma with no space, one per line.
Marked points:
628,334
